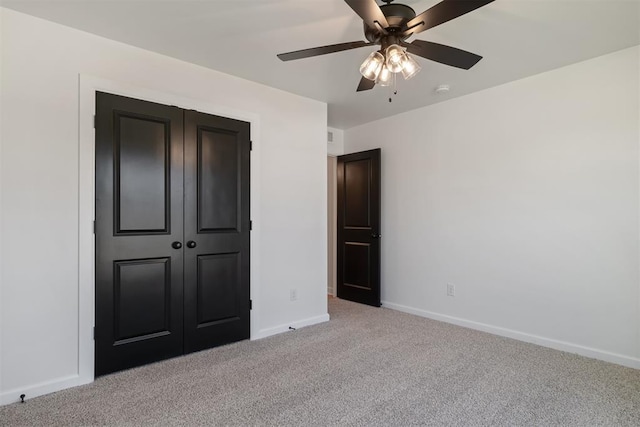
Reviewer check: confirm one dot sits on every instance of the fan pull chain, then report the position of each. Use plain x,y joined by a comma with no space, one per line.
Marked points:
393,88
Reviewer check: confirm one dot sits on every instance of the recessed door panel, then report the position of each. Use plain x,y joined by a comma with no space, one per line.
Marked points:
357,258
218,279
357,193
218,179
142,298
141,174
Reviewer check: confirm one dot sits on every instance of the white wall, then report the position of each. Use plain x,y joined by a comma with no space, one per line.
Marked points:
39,191
335,147
525,197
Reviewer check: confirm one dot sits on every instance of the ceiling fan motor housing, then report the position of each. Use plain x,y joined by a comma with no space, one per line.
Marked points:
397,16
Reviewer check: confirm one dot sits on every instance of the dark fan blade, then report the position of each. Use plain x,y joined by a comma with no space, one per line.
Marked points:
443,54
322,50
365,84
442,12
369,11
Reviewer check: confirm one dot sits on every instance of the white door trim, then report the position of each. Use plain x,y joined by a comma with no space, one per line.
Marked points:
88,85
332,224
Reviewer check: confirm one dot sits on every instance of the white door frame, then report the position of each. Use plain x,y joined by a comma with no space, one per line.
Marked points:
332,226
88,85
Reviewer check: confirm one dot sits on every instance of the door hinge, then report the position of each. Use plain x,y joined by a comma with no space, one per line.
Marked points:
250,145
250,225
250,304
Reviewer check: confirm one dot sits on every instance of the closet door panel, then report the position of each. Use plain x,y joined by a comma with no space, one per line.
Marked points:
139,217
216,230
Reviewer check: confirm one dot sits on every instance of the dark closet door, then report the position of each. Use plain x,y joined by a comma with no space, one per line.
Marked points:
216,262
358,263
139,232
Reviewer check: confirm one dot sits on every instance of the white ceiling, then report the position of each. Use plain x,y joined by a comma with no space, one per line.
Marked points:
517,38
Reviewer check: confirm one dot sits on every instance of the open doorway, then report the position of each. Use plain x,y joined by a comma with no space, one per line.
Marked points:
353,227
358,227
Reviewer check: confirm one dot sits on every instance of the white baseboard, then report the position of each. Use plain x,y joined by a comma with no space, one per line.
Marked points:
285,328
13,396
593,353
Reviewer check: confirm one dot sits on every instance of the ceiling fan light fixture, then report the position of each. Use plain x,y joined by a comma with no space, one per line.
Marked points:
410,67
371,66
395,58
384,78
389,26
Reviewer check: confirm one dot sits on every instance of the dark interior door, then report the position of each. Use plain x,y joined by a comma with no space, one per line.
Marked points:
139,180
217,153
172,232
358,263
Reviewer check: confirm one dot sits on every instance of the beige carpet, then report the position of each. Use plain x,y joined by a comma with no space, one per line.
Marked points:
367,366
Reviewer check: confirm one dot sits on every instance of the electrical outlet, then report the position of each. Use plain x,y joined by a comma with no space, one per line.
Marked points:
451,290
293,294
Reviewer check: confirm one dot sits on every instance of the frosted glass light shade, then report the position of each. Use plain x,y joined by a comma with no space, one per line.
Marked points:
410,67
384,78
371,66
395,58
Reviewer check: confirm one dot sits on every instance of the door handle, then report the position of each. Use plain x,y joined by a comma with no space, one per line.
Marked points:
191,244
375,236
176,245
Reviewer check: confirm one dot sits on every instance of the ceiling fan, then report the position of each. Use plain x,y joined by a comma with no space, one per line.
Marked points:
389,26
